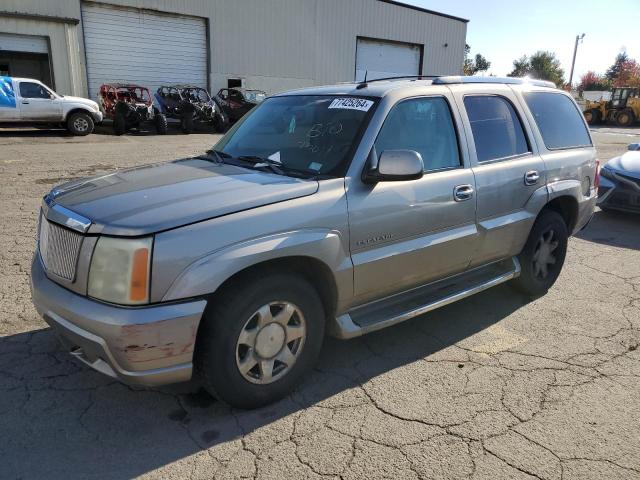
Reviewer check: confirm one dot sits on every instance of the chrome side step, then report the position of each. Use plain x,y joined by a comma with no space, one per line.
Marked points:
417,301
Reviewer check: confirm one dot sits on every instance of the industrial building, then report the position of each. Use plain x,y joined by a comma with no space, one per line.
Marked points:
273,45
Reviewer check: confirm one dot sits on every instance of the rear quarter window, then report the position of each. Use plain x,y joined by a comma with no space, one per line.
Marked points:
559,121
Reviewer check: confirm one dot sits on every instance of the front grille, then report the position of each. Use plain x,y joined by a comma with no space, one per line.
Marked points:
59,249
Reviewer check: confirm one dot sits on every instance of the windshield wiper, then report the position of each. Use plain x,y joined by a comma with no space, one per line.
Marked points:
260,162
215,155
276,167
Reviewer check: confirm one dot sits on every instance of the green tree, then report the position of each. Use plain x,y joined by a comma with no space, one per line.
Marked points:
540,65
614,70
474,65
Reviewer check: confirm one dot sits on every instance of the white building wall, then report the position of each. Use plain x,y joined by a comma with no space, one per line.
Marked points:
272,44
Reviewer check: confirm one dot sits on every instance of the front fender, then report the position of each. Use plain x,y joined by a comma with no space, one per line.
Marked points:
205,275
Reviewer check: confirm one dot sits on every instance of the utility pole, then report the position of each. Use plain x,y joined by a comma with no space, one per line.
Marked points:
573,63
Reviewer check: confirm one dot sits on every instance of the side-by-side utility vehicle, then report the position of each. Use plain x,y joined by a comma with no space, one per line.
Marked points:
341,209
130,106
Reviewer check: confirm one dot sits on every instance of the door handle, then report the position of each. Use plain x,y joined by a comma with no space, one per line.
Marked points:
25,103
462,193
531,177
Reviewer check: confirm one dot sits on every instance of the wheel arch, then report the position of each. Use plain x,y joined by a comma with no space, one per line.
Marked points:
313,270
77,110
567,207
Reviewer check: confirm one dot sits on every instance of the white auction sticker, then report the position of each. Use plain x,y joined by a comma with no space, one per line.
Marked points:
352,104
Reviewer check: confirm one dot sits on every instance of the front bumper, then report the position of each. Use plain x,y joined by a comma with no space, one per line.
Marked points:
616,194
148,346
97,117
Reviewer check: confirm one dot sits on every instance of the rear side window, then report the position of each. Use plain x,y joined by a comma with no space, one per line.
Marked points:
558,119
497,130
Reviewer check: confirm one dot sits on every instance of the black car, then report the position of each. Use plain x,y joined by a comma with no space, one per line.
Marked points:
235,102
191,105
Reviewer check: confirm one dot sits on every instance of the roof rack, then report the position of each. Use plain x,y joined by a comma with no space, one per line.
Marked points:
457,79
364,83
454,79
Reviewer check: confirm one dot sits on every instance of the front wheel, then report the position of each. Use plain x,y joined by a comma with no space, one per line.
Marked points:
543,255
80,124
259,339
593,116
161,124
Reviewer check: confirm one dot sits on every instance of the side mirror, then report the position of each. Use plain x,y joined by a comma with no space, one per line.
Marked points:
634,147
394,166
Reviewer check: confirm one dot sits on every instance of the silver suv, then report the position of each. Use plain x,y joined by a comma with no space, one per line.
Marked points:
345,209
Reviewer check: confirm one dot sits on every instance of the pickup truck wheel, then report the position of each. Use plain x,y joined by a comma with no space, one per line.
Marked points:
80,124
543,255
258,340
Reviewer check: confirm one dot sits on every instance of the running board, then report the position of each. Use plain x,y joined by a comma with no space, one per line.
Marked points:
417,301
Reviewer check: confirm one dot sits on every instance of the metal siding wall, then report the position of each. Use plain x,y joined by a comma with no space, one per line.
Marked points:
283,44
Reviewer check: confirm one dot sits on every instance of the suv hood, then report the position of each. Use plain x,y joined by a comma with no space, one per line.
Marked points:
159,197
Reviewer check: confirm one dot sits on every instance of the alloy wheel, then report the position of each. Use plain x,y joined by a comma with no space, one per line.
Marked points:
81,124
543,255
270,342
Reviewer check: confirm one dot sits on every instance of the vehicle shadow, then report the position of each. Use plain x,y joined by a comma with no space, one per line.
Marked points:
78,423
613,228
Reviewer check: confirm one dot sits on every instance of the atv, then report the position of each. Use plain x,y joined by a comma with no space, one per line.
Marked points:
192,106
129,106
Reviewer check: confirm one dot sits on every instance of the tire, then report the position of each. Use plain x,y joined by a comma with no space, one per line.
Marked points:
120,119
187,118
593,116
549,229
219,351
220,124
80,124
161,124
625,118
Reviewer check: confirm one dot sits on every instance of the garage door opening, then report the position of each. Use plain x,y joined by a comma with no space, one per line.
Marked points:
384,58
143,47
25,56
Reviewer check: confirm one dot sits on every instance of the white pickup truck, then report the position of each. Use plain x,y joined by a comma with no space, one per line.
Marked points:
24,100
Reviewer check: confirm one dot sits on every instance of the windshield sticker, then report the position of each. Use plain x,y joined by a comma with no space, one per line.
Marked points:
7,97
315,166
361,104
292,124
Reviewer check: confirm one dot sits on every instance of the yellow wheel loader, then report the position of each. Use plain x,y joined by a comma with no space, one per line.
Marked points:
623,108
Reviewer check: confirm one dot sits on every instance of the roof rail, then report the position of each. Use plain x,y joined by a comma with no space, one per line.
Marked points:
454,79
364,83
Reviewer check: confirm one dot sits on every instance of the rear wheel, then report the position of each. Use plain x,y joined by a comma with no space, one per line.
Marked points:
543,255
80,124
259,339
625,118
593,116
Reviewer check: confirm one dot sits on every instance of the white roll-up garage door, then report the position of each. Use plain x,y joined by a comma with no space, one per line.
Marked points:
143,47
379,59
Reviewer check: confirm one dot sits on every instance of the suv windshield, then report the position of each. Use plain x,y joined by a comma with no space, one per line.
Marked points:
313,134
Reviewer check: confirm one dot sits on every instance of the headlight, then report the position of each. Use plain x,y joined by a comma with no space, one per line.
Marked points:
120,269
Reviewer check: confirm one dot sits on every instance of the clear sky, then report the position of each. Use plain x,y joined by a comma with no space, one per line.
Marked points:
505,30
